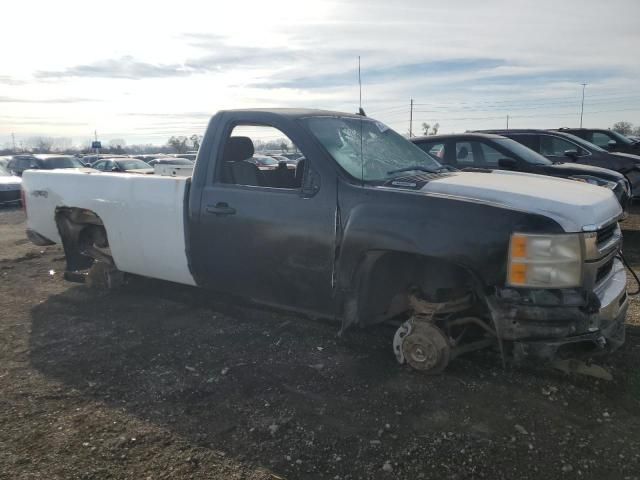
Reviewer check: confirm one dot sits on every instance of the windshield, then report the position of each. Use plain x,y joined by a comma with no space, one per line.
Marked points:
583,143
4,172
621,138
62,162
369,150
523,152
132,164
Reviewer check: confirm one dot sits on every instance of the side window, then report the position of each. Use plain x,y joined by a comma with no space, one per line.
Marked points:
555,146
528,141
490,155
464,154
253,155
436,150
99,165
601,139
25,163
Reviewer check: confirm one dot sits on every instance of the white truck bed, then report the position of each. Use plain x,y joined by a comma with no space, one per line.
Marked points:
142,214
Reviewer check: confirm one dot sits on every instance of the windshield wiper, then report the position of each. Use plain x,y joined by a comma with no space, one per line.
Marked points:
421,168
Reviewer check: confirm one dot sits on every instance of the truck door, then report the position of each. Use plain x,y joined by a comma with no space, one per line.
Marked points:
266,228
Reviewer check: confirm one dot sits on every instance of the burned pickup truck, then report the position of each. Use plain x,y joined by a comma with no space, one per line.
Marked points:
366,228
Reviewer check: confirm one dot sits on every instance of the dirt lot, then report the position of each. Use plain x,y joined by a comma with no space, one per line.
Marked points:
163,381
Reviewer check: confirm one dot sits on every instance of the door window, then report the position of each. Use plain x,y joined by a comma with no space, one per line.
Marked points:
601,139
434,149
464,154
261,156
555,147
490,156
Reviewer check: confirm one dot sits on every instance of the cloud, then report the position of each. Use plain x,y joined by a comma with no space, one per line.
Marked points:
7,80
125,67
388,73
46,100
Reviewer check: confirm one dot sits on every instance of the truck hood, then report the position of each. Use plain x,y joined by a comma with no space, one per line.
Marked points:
626,160
569,169
10,180
573,205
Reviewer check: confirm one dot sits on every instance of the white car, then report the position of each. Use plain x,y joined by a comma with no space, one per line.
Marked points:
10,188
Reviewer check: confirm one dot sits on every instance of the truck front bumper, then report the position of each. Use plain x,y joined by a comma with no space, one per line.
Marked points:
543,332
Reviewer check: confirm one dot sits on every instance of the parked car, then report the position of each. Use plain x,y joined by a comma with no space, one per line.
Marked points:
606,139
19,163
9,188
123,165
264,162
282,160
564,147
170,161
188,156
147,157
484,150
89,160
375,229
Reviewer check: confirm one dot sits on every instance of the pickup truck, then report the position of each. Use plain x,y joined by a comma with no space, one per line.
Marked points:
368,228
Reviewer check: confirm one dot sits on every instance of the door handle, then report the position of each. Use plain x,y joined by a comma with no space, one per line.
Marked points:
220,208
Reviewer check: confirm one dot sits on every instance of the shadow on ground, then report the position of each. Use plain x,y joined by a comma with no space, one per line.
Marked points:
283,392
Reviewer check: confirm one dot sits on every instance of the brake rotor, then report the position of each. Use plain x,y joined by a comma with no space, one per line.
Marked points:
426,348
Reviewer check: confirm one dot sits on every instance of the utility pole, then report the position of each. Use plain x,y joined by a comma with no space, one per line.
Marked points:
507,121
582,106
411,119
13,140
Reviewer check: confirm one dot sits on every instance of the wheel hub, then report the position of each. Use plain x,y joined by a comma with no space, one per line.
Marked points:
422,345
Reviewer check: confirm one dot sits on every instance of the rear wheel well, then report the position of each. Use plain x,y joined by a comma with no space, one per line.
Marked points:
386,279
84,237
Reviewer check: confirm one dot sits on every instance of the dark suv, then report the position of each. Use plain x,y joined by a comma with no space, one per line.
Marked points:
607,139
564,147
20,163
482,150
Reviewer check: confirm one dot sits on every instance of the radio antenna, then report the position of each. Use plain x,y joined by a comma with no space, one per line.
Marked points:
360,110
360,83
361,113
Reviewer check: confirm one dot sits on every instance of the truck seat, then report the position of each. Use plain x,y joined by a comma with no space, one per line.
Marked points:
237,167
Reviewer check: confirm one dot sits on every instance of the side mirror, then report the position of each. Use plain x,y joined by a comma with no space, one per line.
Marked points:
572,154
507,163
612,144
115,169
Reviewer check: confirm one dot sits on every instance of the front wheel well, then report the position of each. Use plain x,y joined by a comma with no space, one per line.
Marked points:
385,280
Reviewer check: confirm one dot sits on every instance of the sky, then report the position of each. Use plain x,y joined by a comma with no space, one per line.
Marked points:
144,71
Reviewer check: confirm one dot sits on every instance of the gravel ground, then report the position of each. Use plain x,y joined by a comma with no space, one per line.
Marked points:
163,381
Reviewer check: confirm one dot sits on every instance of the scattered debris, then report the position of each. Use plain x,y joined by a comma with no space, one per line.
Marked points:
570,366
567,468
521,429
387,467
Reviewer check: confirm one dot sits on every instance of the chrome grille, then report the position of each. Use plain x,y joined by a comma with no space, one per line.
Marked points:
605,234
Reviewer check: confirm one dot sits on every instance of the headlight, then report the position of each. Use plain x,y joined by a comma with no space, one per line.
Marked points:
594,181
545,261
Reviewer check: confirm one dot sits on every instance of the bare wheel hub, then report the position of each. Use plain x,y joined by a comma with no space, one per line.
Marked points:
424,346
